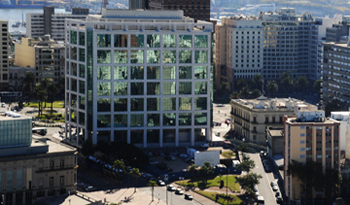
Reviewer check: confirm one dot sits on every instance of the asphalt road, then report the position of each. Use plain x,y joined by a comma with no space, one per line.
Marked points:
173,199
264,187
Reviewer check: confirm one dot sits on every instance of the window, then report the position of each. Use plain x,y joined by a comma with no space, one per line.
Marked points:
302,141
302,134
254,119
62,163
51,181
62,180
302,127
52,164
302,149
266,119
302,156
273,119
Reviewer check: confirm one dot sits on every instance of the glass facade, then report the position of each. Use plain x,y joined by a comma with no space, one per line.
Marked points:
103,40
120,56
11,136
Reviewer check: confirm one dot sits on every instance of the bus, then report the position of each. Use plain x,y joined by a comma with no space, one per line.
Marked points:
260,200
39,130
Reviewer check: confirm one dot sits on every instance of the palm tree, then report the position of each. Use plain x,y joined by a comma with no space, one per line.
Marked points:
234,95
41,96
45,84
255,93
225,87
241,83
28,82
287,82
303,84
135,172
207,169
152,184
271,87
119,165
192,169
244,92
52,92
257,82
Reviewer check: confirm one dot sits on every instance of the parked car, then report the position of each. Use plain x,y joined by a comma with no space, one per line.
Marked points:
152,161
205,145
90,188
179,192
228,121
274,188
267,168
273,183
161,183
183,156
170,188
188,196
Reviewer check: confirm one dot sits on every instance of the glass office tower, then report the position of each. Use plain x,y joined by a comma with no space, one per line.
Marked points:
138,76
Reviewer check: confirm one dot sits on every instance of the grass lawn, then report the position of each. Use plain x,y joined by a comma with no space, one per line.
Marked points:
233,185
228,154
56,104
211,195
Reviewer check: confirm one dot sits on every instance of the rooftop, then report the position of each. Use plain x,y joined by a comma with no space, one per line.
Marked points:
275,132
141,13
9,115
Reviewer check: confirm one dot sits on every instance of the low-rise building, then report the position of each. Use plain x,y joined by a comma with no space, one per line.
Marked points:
17,73
275,141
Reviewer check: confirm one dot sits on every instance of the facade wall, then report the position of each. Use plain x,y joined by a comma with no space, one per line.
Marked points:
4,61
35,25
11,136
25,54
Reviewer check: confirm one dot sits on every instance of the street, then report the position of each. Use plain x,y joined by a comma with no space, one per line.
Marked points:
173,199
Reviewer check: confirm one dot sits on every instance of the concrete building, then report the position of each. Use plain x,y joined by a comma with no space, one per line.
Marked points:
239,49
344,134
309,136
31,167
40,24
4,52
275,141
198,10
336,69
137,4
336,31
44,54
146,82
252,117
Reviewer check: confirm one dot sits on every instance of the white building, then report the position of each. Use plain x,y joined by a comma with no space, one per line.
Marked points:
344,135
139,76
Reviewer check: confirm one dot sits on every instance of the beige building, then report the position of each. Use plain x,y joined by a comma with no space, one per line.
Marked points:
4,62
43,54
309,136
275,141
32,167
252,117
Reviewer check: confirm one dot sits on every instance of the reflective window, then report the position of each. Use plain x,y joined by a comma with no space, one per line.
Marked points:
185,135
153,72
169,72
136,88
153,56
73,115
103,40
81,71
153,120
200,118
81,86
120,104
136,40
169,88
103,88
81,118
82,102
74,69
120,56
103,120
136,120
73,100
81,38
121,120
136,56
121,40
185,119
185,72
74,53
73,37
185,56
136,104
103,104
153,136
201,41
120,73
169,41
103,72
81,54
185,88
136,72
185,103
200,72
169,56
185,41
153,41
200,103
153,88
201,57
169,104
198,137
67,83
104,56
169,119
120,136
120,88
169,136
136,136
200,88
153,104
74,85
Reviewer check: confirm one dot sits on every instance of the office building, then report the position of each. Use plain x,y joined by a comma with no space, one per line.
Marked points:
344,133
139,76
239,49
32,167
40,24
252,117
4,52
198,10
138,4
309,136
44,54
336,31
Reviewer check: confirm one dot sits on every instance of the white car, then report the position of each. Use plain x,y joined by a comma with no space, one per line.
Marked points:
171,188
274,188
161,183
273,183
179,192
3,104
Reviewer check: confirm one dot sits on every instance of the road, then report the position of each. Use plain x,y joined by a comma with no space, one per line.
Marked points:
173,199
264,187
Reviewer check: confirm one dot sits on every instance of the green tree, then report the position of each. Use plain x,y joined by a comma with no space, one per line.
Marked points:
135,172
335,105
225,87
87,148
207,169
44,85
119,165
152,184
271,87
241,84
257,82
248,182
317,86
246,166
244,92
193,169
287,82
234,95
52,92
303,84
242,147
255,93
28,82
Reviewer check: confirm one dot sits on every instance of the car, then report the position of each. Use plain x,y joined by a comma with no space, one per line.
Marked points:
173,158
273,183
90,188
267,168
274,188
277,194
262,153
205,145
171,188
265,162
161,183
279,200
179,192
3,104
228,121
188,196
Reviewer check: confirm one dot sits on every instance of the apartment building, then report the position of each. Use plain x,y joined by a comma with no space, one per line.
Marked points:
252,117
44,54
4,61
344,133
32,167
139,76
238,49
336,69
40,24
309,136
